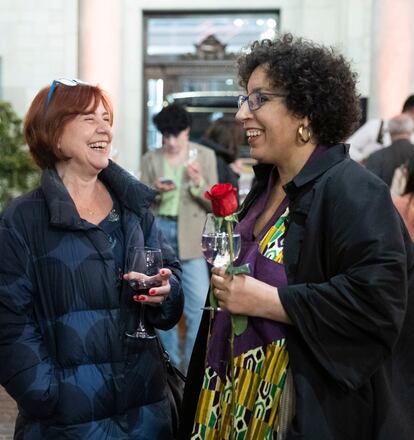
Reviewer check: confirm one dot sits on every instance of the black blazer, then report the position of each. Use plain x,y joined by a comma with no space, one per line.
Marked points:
349,261
384,162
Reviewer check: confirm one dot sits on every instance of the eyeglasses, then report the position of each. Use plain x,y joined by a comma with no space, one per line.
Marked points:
64,81
256,99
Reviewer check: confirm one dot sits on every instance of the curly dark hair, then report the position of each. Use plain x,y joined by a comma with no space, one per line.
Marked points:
228,133
172,120
408,104
318,82
409,186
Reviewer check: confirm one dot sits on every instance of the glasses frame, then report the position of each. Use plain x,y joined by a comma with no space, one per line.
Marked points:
70,82
243,98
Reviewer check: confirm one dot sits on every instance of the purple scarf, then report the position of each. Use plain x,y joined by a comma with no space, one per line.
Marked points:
260,331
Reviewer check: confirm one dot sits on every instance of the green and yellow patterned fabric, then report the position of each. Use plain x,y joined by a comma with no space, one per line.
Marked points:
260,376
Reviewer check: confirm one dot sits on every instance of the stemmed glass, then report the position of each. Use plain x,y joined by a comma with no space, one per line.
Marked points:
215,244
192,154
147,262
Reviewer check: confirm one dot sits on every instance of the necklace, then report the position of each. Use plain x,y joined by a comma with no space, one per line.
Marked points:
87,210
112,216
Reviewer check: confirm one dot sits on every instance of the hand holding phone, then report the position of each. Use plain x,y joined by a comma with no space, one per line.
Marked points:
166,181
165,184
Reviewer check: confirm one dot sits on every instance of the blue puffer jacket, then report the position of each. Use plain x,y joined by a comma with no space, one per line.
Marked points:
64,310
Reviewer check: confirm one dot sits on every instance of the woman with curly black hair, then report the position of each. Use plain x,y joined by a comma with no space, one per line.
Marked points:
325,353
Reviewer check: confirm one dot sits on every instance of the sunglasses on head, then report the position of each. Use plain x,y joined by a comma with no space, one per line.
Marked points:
65,82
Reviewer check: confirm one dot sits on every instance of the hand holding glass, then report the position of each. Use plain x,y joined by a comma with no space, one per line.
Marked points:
146,262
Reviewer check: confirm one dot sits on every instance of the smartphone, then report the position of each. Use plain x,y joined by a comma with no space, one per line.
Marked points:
166,180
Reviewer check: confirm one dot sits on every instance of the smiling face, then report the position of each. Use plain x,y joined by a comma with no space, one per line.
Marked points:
85,143
271,130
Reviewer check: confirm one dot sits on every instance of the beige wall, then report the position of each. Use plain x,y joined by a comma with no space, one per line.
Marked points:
392,56
101,41
342,23
38,42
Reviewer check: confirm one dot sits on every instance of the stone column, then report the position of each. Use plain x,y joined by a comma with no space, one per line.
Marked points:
392,75
100,45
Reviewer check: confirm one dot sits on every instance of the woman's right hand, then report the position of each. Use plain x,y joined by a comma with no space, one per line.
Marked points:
157,294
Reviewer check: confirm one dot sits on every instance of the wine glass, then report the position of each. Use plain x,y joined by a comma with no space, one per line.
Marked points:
147,262
192,154
215,242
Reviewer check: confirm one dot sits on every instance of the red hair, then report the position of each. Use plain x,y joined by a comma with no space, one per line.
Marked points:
44,125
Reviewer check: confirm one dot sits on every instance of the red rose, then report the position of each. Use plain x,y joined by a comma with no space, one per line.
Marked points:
223,198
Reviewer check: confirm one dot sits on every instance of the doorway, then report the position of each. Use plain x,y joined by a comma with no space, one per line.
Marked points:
195,52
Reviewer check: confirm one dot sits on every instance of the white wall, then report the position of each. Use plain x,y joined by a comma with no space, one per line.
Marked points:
39,42
392,54
344,24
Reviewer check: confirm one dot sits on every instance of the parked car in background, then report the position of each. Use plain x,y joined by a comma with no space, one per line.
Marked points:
205,107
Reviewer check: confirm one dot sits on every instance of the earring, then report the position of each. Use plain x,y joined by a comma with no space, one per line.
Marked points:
304,133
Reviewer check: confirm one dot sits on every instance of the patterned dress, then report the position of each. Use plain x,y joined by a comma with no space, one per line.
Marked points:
260,357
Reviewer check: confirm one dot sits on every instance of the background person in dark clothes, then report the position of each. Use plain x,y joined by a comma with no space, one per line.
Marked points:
384,162
225,136
405,202
374,134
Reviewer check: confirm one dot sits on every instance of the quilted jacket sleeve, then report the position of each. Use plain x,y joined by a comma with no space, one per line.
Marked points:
26,369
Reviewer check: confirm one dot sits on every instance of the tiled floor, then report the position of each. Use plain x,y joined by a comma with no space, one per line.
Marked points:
8,413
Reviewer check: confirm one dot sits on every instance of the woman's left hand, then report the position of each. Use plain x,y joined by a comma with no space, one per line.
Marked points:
156,295
245,295
233,292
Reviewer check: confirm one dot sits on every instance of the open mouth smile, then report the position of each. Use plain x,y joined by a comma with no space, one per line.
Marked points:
253,133
98,146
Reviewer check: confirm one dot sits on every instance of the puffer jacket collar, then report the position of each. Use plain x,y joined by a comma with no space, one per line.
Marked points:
131,193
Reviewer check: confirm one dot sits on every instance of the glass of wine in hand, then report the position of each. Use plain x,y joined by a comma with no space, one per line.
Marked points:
146,262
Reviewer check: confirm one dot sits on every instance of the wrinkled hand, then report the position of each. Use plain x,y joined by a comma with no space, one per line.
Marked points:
194,173
244,295
156,295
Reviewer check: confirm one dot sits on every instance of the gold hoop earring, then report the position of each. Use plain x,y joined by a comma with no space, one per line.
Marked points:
304,133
